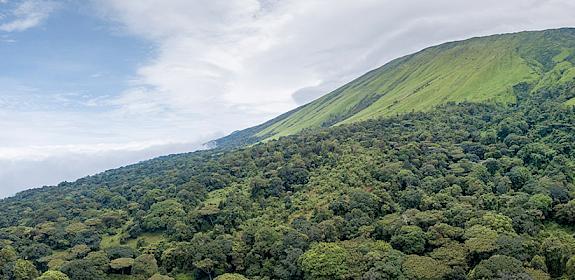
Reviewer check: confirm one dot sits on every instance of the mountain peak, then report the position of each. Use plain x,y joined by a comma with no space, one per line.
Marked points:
480,69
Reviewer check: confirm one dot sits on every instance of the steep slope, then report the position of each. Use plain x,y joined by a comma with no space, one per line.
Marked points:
460,191
487,69
470,189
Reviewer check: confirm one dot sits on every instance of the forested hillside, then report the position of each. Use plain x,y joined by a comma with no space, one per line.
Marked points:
476,70
464,191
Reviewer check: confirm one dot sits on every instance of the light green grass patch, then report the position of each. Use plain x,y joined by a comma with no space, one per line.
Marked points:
217,196
476,70
183,276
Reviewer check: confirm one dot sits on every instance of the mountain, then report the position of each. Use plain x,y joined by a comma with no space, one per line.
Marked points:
486,69
461,190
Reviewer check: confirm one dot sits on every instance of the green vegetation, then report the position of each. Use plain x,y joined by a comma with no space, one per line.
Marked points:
487,69
570,102
465,190
461,191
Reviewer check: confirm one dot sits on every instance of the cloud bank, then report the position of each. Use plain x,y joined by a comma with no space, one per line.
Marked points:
35,168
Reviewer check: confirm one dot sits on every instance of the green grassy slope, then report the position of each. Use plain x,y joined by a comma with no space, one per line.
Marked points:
486,69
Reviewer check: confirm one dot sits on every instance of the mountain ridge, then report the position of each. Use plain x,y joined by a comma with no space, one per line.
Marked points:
479,69
463,190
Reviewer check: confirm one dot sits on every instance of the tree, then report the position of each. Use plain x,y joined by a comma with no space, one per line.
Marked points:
56,264
424,268
410,240
541,202
519,175
497,266
557,250
160,277
492,165
521,247
387,226
325,261
538,262
453,254
536,154
118,252
231,276
565,213
570,268
164,214
53,275
441,233
386,266
122,265
99,260
35,251
7,255
25,270
480,241
209,251
537,274
82,270
497,222
145,265
206,265
79,251
292,176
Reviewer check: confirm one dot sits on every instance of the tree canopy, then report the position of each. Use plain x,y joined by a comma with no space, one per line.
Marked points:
482,191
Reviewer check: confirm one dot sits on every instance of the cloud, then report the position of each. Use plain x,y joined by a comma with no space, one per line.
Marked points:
308,94
27,14
51,165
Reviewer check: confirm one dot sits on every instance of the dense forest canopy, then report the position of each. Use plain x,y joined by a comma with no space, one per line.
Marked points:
465,191
461,190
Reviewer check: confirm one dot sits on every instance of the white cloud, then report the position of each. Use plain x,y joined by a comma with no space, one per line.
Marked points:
40,166
44,148
27,14
40,153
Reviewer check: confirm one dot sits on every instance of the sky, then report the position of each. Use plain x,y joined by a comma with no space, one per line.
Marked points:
89,85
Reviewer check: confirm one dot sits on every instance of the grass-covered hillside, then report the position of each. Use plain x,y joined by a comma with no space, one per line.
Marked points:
463,191
487,69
